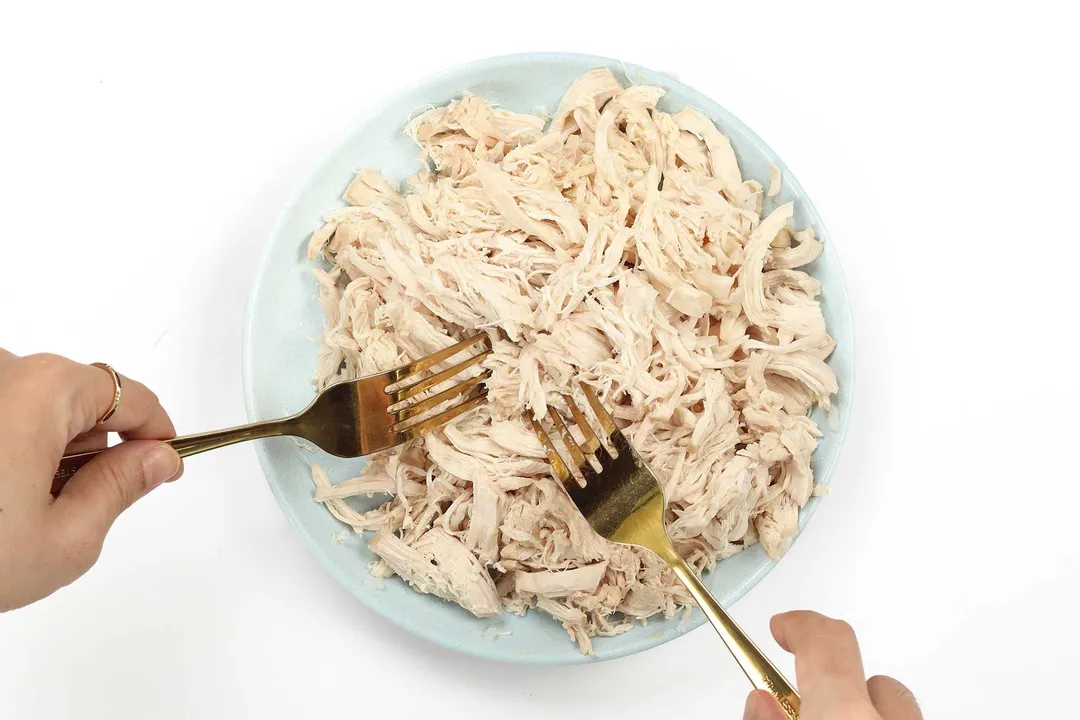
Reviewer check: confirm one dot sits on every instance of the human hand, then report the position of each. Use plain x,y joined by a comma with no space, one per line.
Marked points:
50,406
829,670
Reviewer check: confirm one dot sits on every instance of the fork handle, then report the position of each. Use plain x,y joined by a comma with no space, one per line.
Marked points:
762,673
184,445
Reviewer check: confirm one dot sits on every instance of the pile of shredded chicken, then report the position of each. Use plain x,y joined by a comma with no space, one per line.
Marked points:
620,247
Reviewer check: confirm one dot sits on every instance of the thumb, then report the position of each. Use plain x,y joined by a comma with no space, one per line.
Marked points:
760,705
110,483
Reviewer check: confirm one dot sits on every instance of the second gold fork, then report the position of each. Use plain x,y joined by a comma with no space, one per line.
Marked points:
624,502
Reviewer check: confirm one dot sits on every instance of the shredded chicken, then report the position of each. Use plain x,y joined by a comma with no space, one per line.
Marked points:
621,247
776,180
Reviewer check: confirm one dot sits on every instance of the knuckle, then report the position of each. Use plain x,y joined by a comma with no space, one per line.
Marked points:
153,403
48,366
841,629
151,396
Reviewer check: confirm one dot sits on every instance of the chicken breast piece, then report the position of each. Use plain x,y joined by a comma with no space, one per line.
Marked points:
439,564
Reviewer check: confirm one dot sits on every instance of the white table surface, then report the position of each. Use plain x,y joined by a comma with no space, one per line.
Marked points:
145,151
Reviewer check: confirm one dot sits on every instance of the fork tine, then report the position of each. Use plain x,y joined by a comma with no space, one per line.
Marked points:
576,456
592,443
606,421
425,426
562,473
437,357
428,403
441,376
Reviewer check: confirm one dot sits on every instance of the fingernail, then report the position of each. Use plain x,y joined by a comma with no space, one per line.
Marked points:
159,465
178,474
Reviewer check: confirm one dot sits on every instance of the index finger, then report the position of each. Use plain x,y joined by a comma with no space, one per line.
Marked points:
139,416
828,664
86,392
60,399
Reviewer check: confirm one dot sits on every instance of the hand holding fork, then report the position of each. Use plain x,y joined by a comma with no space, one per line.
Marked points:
349,418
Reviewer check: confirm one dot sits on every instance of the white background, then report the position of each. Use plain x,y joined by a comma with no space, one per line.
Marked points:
145,151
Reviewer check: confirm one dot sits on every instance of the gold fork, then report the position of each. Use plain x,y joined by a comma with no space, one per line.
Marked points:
353,417
624,502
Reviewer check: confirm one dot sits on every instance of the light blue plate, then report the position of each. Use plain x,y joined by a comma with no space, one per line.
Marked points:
284,317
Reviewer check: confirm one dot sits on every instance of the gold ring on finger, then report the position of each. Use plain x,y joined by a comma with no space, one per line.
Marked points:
116,391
